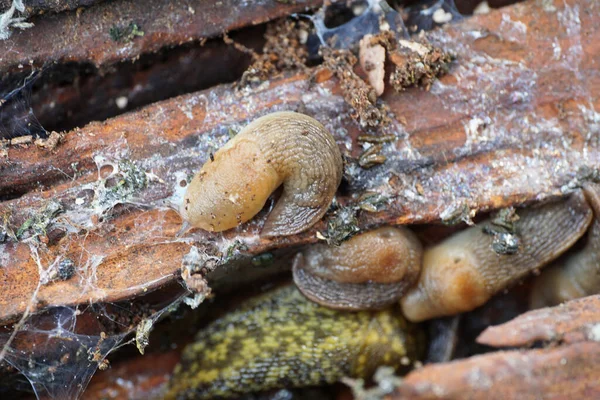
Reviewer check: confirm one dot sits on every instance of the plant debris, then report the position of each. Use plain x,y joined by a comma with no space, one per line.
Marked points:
342,226
125,34
50,142
503,228
357,93
284,50
372,156
372,202
417,64
142,334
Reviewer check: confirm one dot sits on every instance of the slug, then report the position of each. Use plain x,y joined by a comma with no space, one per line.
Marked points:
279,148
463,272
576,274
369,271
281,339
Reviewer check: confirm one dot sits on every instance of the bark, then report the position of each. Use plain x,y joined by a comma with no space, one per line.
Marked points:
512,123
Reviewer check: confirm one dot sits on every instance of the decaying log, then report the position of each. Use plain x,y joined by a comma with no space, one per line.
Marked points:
104,34
513,122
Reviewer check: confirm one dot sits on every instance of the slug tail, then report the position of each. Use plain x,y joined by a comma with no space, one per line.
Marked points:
290,218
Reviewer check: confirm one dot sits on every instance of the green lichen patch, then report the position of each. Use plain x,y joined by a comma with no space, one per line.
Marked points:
38,223
233,250
126,33
122,186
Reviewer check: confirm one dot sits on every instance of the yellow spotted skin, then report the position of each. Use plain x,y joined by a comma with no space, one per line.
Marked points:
283,340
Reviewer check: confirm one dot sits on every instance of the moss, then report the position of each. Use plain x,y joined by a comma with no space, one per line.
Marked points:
129,180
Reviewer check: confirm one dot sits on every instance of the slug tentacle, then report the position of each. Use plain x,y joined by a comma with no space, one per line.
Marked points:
369,271
280,148
464,271
282,340
577,274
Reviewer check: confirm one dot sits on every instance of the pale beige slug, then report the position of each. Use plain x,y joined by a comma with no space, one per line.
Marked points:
576,274
369,271
464,271
282,148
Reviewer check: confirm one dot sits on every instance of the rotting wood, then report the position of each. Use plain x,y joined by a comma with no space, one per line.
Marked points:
566,371
84,35
574,321
512,123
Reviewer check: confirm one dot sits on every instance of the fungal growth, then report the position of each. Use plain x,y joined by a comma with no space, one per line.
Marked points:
576,274
280,148
464,271
369,271
283,340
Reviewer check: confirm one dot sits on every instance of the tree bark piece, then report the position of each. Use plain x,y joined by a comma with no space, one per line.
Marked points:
575,321
84,35
512,123
566,372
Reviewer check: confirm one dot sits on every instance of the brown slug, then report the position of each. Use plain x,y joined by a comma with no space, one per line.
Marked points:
280,148
576,274
283,340
464,271
369,271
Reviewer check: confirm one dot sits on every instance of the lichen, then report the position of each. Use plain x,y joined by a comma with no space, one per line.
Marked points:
38,223
125,33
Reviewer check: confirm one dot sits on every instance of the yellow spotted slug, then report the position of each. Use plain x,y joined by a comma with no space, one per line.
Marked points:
283,340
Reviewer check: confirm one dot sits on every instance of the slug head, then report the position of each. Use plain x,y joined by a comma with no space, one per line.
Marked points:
231,189
371,270
449,283
464,271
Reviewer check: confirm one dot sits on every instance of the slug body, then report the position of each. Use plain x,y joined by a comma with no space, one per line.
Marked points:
282,148
369,271
576,274
281,339
464,271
